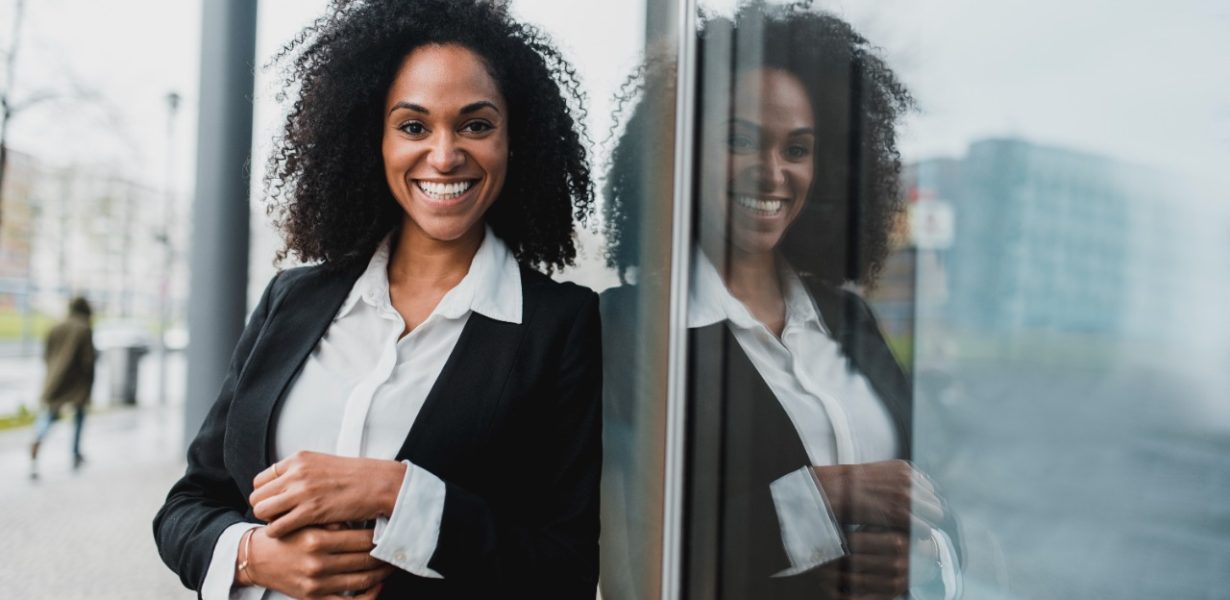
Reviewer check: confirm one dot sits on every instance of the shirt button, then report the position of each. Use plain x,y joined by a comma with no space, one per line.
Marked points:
400,556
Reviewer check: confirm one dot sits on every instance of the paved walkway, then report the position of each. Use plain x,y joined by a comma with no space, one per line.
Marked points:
88,534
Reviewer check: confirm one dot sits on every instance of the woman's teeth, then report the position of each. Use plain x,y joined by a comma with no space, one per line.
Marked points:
765,208
444,191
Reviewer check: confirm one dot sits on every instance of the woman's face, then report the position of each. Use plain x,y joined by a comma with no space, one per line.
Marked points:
758,164
445,144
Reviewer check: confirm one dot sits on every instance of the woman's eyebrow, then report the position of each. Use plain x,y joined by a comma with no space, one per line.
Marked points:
476,106
465,110
409,105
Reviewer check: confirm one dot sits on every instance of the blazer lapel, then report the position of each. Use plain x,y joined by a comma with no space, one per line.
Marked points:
292,331
864,346
462,402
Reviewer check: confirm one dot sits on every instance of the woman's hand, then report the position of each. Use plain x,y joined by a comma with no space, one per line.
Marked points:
311,488
315,562
886,494
878,567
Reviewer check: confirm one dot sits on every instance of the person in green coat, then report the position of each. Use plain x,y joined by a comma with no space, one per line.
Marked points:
69,354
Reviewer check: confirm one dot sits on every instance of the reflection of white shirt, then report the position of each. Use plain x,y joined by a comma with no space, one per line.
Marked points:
360,391
836,413
839,418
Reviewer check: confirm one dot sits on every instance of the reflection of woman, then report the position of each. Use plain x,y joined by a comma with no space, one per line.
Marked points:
798,185
417,416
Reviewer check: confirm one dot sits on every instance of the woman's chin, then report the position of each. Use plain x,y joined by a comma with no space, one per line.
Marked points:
445,228
754,241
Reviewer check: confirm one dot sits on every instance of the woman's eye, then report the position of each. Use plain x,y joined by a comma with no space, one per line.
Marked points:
741,143
797,151
413,128
477,127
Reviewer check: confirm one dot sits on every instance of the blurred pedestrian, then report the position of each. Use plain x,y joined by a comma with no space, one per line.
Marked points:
69,354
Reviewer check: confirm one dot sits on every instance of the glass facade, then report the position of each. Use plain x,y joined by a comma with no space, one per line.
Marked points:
942,319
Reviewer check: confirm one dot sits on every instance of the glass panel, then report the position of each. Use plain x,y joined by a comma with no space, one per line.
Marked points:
958,284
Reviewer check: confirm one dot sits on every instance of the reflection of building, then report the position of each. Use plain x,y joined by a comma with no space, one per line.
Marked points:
1050,239
83,230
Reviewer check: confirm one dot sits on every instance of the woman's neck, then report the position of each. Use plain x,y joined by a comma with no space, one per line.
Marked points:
751,278
418,259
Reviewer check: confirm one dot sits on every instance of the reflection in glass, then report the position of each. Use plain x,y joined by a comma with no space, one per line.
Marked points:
799,412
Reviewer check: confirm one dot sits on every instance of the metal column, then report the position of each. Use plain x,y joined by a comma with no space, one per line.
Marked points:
219,261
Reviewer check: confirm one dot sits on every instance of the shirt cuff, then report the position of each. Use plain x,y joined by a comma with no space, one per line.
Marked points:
407,539
220,578
810,532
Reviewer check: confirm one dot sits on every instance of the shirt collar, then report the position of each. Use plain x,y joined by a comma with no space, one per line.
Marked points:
495,278
492,286
710,301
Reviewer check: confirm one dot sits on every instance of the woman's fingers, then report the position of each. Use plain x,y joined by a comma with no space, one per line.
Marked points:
927,507
887,543
350,562
350,540
883,553
856,585
350,582
274,507
266,476
285,522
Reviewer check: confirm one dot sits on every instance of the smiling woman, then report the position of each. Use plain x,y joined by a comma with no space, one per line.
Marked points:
418,415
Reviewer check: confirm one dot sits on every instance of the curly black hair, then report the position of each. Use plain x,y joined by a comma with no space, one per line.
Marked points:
842,233
325,182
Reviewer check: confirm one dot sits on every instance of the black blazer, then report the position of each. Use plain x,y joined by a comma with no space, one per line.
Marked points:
512,426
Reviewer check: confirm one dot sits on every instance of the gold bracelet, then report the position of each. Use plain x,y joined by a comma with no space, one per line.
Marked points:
246,543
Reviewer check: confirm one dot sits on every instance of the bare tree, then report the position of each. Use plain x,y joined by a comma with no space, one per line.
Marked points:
8,108
71,90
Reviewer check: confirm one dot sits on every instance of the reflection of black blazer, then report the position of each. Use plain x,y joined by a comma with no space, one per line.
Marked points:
512,426
740,440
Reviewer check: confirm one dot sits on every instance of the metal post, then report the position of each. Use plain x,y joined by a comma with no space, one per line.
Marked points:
168,248
219,260
673,551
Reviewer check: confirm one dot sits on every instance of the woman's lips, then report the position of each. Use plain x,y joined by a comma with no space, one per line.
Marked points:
446,193
760,206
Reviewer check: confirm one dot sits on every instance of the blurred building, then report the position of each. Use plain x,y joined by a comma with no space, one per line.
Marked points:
87,230
1048,238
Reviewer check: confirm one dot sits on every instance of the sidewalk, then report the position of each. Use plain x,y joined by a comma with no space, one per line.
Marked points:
88,534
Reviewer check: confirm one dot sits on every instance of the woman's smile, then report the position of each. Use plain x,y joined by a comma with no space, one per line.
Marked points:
446,193
760,206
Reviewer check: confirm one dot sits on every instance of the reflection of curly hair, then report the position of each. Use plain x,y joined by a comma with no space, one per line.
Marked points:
842,234
326,183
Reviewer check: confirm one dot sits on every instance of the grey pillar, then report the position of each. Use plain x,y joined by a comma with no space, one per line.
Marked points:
219,262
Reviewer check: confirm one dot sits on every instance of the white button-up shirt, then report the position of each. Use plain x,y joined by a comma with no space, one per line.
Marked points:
360,391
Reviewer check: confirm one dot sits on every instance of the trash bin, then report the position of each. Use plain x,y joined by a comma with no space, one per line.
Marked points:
121,367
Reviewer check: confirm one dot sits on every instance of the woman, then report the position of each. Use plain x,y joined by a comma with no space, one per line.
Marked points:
418,415
800,415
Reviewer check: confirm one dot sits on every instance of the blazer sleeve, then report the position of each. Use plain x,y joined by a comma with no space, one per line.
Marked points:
206,500
557,554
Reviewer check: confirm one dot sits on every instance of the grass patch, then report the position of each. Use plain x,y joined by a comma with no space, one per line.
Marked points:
11,324
23,418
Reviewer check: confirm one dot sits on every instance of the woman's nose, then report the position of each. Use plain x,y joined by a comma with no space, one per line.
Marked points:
770,176
445,155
